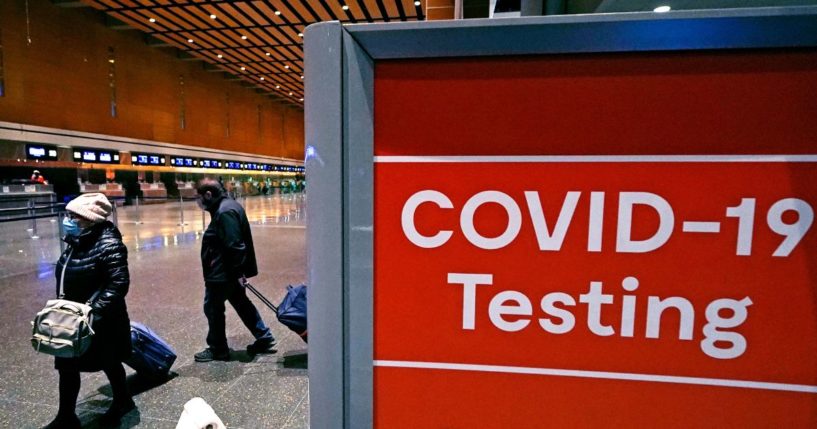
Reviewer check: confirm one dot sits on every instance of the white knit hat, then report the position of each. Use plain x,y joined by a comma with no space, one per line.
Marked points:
94,207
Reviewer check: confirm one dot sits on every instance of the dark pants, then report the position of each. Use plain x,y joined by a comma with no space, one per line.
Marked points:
70,384
214,296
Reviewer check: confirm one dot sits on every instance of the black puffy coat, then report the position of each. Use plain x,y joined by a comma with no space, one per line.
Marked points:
227,251
98,260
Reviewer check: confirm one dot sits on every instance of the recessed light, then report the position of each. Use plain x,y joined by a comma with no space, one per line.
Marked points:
152,19
344,7
243,68
662,9
300,34
220,56
290,93
111,61
190,41
301,99
262,77
277,12
277,86
417,3
302,76
268,54
243,37
212,16
286,66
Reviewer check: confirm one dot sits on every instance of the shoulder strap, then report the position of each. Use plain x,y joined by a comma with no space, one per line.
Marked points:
62,275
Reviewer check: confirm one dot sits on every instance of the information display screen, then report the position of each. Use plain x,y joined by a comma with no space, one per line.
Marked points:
96,156
41,152
180,161
147,159
210,163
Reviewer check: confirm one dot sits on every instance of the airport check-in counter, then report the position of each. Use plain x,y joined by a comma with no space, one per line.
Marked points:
113,191
152,192
15,196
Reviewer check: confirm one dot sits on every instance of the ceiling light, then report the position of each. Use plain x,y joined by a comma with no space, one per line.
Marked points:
662,9
111,61
344,7
262,77
278,12
302,76
190,41
152,19
277,86
267,54
212,16
417,3
300,34
290,93
286,66
243,37
301,99
243,68
220,56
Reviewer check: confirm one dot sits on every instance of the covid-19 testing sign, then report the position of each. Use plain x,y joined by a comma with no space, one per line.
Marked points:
602,239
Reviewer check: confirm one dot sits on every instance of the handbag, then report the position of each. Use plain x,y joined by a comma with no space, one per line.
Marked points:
63,328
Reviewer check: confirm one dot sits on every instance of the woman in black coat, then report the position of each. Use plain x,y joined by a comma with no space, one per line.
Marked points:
95,260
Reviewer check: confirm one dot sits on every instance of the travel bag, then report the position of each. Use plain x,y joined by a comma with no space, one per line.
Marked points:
151,355
292,310
63,328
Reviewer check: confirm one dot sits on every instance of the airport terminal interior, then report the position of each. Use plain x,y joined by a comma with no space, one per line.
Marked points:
139,100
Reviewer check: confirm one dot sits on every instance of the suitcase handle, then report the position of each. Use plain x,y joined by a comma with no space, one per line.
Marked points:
261,297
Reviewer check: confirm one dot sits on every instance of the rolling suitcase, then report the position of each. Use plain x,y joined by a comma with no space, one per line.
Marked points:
151,355
292,310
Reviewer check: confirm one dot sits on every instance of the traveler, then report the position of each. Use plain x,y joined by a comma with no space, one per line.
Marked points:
95,260
228,259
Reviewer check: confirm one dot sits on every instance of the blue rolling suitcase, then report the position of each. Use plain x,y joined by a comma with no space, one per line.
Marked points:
292,311
151,356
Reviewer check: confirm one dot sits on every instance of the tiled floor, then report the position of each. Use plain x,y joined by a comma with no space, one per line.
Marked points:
267,391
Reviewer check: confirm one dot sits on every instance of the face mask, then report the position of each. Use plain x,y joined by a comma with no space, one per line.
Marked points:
70,226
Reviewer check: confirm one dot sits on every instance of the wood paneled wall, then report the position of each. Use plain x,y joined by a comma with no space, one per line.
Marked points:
61,80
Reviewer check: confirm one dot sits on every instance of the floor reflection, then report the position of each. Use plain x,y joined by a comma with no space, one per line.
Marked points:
150,228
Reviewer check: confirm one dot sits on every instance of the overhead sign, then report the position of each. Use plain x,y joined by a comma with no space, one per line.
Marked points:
628,240
180,161
99,156
41,152
147,159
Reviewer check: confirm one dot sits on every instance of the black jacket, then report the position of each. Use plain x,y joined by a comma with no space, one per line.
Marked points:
227,252
98,260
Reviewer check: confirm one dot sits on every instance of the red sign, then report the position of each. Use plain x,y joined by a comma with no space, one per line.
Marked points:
533,276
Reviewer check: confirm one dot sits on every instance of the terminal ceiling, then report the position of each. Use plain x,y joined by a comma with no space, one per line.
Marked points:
259,42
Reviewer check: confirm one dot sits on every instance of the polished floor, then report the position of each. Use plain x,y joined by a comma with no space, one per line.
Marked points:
265,391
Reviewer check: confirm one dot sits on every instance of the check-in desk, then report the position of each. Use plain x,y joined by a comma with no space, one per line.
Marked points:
113,191
153,193
25,196
187,189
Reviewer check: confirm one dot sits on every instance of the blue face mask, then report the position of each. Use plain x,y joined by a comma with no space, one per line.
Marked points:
70,226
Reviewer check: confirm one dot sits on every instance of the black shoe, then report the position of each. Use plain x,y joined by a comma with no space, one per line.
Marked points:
116,412
262,346
208,355
64,422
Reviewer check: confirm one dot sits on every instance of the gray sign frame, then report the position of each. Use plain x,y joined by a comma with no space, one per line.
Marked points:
340,61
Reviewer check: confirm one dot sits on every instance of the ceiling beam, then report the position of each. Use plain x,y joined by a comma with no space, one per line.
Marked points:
69,3
115,24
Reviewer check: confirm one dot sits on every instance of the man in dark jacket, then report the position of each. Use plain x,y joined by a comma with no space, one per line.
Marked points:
228,259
